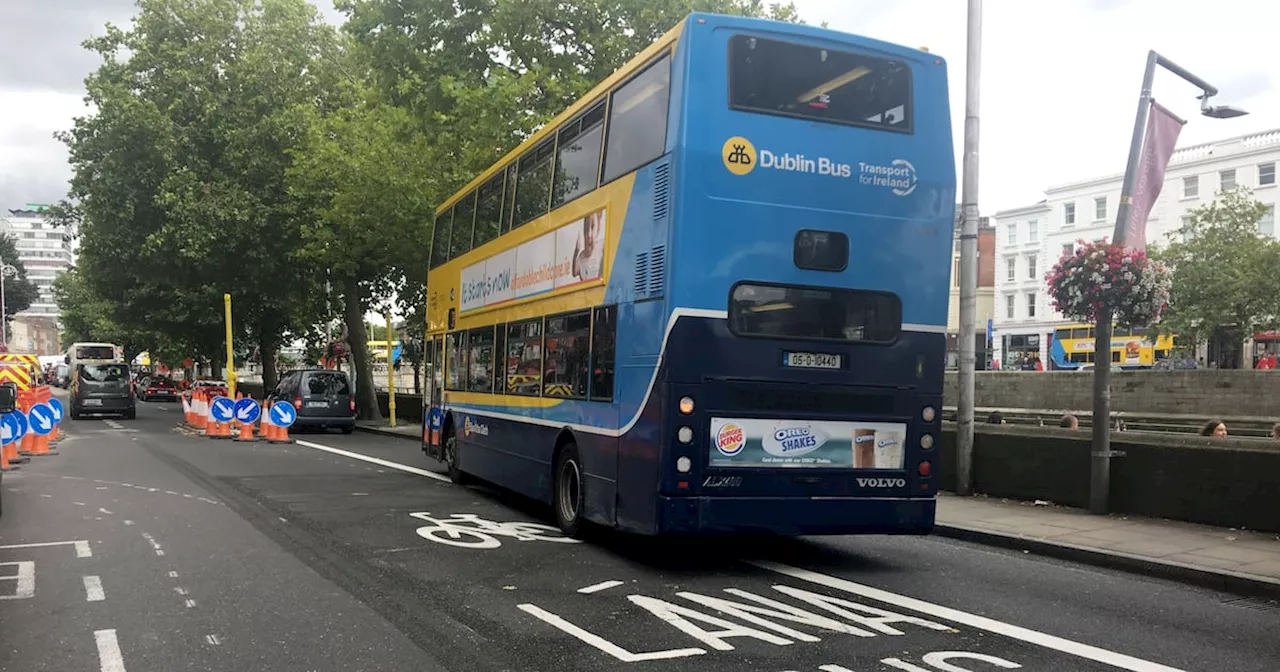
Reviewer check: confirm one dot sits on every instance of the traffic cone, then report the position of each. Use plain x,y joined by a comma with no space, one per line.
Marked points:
8,456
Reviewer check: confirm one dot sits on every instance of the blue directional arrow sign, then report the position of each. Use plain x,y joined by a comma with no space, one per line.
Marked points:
57,409
16,421
247,411
222,408
41,419
8,430
283,415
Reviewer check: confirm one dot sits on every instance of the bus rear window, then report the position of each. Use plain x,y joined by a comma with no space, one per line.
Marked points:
796,80
779,311
96,352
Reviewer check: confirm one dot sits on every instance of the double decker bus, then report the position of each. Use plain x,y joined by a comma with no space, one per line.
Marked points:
1074,346
711,295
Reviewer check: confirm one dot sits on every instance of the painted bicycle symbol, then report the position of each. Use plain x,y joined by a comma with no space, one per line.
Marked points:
467,530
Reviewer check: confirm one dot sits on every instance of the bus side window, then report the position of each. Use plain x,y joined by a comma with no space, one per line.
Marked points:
439,241
638,121
463,219
604,339
524,358
500,359
480,371
565,356
456,354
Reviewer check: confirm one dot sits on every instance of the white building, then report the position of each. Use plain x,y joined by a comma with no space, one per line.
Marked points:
43,250
1030,239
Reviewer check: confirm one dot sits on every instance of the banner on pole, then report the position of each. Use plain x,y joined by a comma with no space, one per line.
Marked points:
1163,128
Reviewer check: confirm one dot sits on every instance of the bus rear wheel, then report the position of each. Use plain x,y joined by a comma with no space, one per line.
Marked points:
569,494
449,455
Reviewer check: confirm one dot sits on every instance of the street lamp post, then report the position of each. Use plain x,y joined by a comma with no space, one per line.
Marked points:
1100,462
6,271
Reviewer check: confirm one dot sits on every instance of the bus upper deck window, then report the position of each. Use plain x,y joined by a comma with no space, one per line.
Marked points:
821,250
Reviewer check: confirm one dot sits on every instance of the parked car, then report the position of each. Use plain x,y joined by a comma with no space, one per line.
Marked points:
323,398
218,387
159,388
102,389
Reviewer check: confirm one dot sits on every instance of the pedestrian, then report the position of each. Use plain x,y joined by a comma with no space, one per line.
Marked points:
1214,428
996,418
1275,431
1069,421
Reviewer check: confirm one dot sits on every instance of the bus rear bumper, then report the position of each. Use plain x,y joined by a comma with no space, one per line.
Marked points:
795,516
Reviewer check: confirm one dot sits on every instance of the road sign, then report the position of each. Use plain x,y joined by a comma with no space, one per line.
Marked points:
222,408
8,430
41,419
16,422
57,408
247,411
283,415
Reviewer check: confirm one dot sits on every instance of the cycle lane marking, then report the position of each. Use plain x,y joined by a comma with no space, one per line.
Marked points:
378,461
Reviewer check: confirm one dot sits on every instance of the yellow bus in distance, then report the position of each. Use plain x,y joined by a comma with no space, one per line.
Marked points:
1073,346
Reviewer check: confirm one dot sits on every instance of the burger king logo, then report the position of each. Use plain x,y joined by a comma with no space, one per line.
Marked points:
730,439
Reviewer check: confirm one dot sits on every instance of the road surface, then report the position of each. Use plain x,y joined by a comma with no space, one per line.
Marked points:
139,547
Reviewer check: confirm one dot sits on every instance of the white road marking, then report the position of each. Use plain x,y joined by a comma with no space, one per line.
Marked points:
173,574
25,580
180,590
1067,646
102,510
109,651
359,494
82,547
603,585
190,603
78,503
213,639
155,545
128,522
170,492
603,644
93,589
374,460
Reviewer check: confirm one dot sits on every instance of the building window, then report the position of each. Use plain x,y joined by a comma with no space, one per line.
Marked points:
1068,213
1100,208
1191,186
1031,267
1010,305
1266,174
1267,225
1011,268
1031,304
1227,179
1033,231
1068,249
1012,234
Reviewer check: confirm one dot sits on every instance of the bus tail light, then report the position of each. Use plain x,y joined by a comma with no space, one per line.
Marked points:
686,405
924,469
685,435
928,414
926,441
683,464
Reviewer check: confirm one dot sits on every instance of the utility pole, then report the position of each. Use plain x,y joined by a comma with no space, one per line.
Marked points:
969,254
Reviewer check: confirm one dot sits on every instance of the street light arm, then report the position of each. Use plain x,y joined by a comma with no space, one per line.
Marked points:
1209,89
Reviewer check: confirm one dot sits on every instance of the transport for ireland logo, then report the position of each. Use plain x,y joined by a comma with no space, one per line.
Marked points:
739,155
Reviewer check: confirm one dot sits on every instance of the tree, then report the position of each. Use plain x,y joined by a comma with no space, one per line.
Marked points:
1224,280
179,176
19,292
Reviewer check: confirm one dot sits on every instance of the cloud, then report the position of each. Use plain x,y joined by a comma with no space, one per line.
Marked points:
41,47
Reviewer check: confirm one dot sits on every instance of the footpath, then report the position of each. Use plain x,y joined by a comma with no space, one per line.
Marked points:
1231,560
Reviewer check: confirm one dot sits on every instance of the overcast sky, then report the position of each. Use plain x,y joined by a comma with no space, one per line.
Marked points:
1060,79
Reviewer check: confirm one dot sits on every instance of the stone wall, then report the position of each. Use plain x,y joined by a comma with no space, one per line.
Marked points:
1224,482
1207,392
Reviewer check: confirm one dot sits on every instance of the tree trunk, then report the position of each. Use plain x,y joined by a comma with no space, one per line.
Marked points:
358,342
267,346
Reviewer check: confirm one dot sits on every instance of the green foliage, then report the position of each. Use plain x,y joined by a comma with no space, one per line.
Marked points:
1223,270
19,292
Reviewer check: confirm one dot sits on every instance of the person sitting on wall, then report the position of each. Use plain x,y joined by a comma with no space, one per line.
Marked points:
1069,421
1214,428
996,418
1275,431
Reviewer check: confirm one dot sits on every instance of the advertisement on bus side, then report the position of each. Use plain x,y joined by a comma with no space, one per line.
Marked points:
566,257
753,442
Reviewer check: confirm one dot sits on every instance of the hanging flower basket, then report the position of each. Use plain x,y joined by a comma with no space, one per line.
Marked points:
1098,276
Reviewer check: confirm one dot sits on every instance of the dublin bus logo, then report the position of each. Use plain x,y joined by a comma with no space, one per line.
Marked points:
739,155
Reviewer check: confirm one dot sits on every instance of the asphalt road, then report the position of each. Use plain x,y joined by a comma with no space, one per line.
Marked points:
165,551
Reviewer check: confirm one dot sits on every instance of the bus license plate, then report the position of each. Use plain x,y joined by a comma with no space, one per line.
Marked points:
811,360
